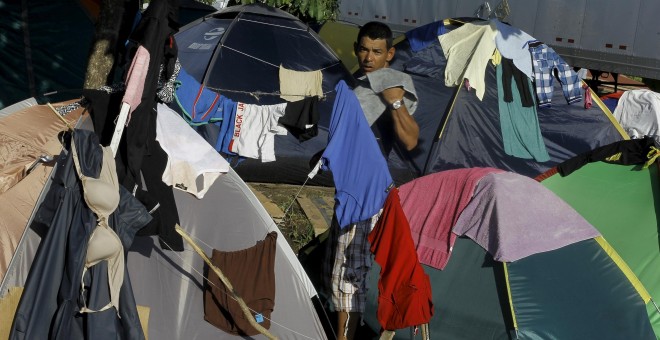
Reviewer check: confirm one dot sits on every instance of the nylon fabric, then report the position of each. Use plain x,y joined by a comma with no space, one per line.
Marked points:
50,301
472,284
472,137
468,50
566,288
629,198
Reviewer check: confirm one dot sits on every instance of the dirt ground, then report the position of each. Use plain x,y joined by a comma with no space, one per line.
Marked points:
295,226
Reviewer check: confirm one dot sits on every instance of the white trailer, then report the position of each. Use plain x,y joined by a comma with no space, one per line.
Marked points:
606,35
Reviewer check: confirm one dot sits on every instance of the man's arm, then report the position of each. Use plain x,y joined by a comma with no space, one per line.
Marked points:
405,126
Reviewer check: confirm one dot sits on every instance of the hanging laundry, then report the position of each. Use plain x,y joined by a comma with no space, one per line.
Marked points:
432,204
521,133
255,128
135,80
513,44
587,96
166,87
102,197
49,304
301,118
296,85
158,198
625,152
140,159
513,216
468,50
359,169
545,60
189,155
404,289
523,84
496,58
153,193
638,112
198,104
153,32
251,272
227,113
103,107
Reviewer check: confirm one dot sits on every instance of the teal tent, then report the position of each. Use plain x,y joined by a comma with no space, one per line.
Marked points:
623,203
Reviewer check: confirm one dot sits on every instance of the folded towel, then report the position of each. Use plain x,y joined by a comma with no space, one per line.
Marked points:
368,92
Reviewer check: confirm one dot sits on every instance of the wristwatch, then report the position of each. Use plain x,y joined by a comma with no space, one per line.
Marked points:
396,104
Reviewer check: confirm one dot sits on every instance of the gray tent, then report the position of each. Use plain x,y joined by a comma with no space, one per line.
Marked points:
169,285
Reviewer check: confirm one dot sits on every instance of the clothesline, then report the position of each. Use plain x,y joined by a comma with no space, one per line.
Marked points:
286,211
270,24
214,285
271,64
256,94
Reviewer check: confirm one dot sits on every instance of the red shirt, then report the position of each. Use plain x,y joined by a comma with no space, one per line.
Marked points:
404,289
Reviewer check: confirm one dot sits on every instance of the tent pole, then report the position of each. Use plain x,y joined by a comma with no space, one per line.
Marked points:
226,282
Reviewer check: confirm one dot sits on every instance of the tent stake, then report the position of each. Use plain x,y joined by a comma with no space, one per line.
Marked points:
226,282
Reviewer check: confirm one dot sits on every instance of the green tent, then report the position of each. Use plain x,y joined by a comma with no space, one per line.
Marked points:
574,289
623,203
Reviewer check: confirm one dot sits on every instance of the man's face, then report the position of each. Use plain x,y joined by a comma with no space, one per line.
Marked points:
373,54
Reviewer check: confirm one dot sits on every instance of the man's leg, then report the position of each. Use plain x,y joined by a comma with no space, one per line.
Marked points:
347,323
351,264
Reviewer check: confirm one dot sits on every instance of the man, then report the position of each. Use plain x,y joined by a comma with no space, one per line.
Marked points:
348,255
374,52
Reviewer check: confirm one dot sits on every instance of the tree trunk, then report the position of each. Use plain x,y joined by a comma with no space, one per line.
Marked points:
102,56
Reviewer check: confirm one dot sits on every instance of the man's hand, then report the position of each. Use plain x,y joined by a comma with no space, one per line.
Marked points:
392,94
405,126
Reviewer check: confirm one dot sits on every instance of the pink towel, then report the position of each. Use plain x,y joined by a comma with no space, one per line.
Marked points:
432,205
135,80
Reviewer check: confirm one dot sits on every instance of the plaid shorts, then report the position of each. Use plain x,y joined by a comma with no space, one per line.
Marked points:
545,60
348,260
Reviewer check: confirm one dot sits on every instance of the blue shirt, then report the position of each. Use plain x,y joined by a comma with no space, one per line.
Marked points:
359,169
226,110
198,103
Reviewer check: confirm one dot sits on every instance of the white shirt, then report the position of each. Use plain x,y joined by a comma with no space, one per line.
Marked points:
189,155
255,128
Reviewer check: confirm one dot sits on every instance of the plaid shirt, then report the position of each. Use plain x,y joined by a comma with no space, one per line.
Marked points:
545,60
348,260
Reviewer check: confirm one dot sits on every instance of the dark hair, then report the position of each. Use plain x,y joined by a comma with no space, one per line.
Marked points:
376,30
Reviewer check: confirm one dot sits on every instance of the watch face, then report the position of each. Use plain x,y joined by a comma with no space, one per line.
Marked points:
396,105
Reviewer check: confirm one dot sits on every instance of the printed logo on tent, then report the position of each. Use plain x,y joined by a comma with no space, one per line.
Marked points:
214,33
197,46
211,34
